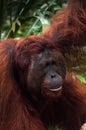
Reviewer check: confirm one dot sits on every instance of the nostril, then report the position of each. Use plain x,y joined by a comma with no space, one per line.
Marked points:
53,76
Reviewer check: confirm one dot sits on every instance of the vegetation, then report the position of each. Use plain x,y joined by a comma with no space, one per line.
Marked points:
21,18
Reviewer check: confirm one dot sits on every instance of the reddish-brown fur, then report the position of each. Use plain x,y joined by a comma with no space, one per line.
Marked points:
19,111
69,25
68,31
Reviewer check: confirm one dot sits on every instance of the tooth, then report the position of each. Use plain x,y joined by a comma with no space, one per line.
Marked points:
56,89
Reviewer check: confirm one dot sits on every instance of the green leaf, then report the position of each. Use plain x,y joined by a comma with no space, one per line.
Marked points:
82,79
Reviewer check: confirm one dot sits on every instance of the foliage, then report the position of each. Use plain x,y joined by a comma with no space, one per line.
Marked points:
20,18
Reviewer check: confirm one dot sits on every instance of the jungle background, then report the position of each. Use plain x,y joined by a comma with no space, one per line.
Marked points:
21,18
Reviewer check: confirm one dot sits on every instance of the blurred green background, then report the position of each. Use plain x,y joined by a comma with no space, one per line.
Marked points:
21,18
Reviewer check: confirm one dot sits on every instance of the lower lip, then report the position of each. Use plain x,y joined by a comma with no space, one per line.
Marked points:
57,89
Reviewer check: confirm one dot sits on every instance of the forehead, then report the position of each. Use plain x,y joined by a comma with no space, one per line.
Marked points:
48,54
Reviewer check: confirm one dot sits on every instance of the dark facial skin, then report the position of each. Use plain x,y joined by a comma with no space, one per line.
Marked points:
48,70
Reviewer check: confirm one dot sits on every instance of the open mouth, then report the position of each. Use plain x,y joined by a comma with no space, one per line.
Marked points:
56,89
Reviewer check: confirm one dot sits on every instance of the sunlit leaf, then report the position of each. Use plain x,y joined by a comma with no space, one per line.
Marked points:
82,79
18,22
13,27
